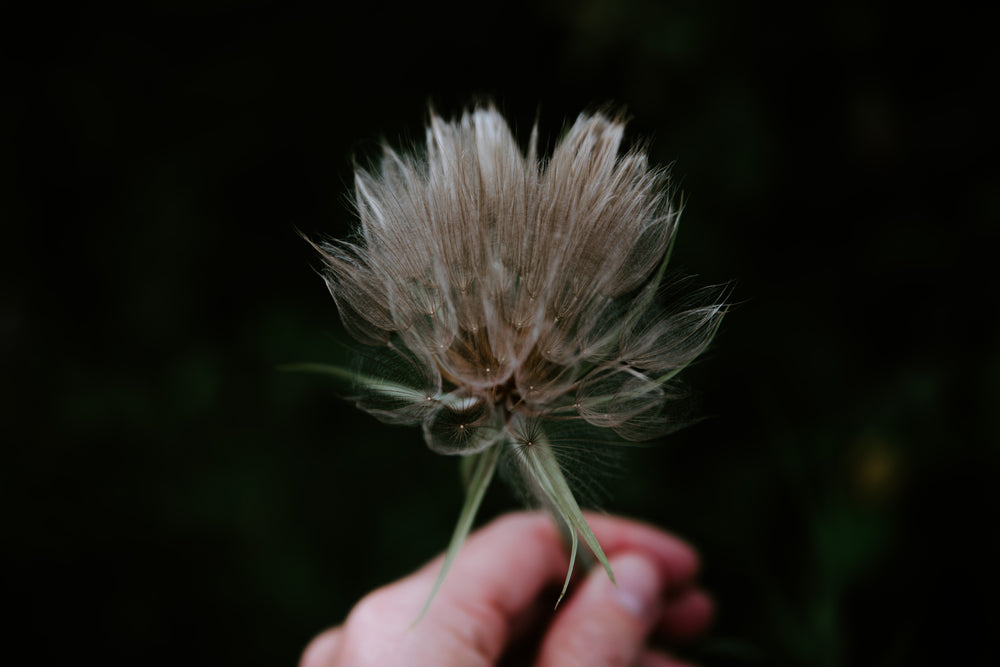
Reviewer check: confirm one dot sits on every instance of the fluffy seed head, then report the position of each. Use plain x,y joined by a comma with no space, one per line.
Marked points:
501,295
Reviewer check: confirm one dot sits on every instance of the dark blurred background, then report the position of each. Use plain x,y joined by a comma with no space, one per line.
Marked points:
170,497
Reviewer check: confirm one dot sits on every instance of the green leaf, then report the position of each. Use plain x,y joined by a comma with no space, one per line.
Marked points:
482,465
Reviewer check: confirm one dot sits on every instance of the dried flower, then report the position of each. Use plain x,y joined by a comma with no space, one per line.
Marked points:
508,303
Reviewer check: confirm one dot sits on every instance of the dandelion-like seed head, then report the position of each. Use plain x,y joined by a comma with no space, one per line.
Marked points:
502,297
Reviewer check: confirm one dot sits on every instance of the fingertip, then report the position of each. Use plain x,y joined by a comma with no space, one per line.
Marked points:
320,651
688,615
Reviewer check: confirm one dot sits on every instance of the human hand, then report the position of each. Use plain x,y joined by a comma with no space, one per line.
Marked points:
495,607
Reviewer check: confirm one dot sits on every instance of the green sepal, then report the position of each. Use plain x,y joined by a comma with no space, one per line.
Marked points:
354,378
542,465
482,466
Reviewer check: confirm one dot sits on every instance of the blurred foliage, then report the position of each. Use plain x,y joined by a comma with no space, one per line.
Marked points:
169,494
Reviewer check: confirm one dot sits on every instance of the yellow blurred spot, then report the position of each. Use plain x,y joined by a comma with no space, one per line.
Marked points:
875,468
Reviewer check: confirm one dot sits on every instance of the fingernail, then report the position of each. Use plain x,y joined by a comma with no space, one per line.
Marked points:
638,580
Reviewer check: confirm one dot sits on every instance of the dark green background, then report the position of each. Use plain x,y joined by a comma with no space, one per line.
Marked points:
171,498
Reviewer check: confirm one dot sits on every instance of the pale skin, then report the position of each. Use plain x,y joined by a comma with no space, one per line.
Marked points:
495,607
